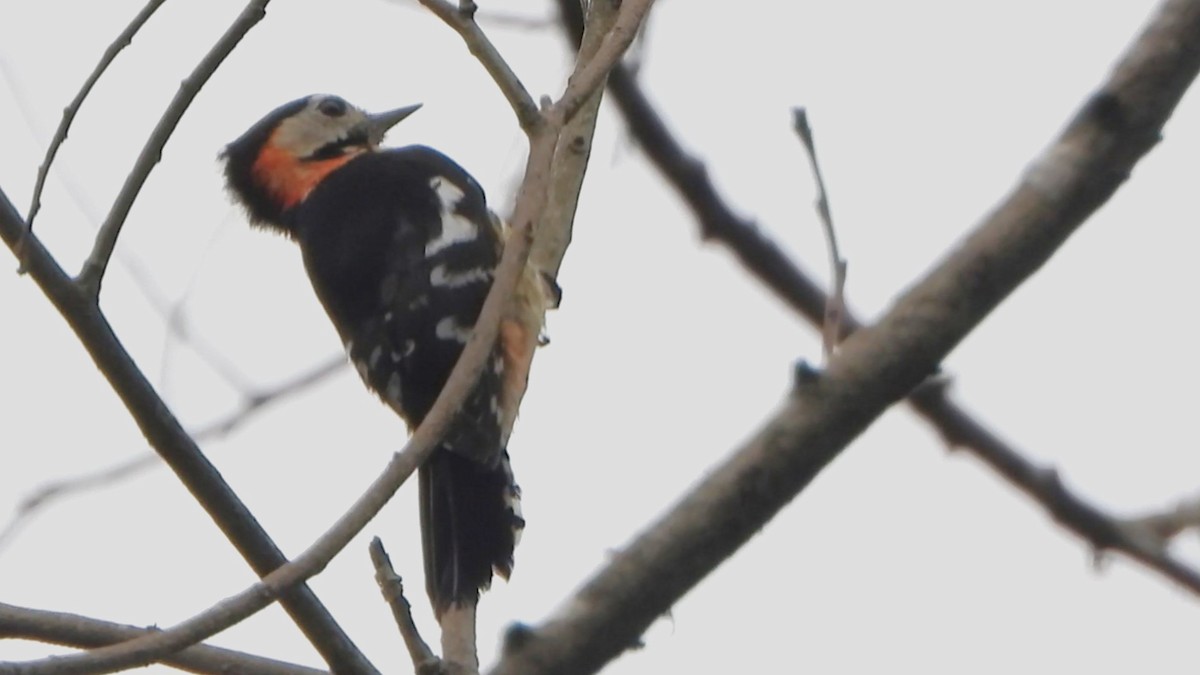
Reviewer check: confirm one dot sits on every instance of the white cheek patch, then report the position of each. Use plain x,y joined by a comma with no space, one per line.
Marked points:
310,130
456,229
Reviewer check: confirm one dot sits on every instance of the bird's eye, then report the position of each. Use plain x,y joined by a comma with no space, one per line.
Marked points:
332,107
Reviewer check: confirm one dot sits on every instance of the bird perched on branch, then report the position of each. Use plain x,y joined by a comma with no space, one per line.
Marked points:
401,249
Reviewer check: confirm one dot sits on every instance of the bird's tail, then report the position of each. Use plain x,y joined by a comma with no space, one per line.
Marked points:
470,524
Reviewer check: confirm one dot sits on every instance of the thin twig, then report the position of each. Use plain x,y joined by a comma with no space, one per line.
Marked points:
84,632
425,662
835,305
515,21
526,109
53,491
106,240
880,365
60,134
172,313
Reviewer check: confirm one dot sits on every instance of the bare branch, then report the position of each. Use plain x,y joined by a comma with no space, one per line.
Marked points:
425,662
106,240
463,22
172,311
880,365
515,21
81,631
835,305
1101,529
60,134
763,259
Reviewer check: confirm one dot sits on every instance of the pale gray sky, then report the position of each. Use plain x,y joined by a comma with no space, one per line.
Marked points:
899,557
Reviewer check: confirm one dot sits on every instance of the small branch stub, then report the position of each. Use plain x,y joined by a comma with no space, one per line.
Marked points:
425,662
831,329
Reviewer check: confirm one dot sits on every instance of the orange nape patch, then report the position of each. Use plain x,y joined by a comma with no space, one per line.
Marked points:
289,178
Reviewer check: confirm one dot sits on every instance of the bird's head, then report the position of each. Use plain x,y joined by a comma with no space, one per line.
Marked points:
273,166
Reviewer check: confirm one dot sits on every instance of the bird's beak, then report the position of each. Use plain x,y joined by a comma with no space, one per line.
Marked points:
378,124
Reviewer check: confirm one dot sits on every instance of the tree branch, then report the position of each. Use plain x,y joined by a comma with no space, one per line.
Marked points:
764,260
106,240
81,631
879,365
478,43
1139,539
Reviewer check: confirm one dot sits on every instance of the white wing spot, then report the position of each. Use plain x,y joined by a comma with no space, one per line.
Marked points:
455,228
448,193
448,329
374,359
349,345
409,348
388,316
512,499
361,367
393,388
440,277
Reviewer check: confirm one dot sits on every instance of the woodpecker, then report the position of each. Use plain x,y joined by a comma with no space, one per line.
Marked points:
401,248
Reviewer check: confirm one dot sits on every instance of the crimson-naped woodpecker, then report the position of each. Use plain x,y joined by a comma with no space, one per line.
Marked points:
401,248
